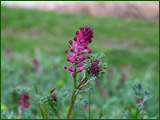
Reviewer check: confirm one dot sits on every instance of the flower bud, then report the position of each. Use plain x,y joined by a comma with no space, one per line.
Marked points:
66,51
70,42
77,33
53,96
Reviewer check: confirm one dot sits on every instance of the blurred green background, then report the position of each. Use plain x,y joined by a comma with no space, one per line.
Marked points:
131,47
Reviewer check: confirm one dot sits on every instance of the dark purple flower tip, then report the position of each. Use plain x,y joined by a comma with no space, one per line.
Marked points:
70,42
85,39
68,59
88,57
81,28
72,50
91,36
90,40
77,32
86,28
53,96
65,67
66,51
90,51
75,38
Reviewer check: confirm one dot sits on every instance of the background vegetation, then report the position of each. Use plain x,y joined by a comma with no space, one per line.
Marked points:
131,47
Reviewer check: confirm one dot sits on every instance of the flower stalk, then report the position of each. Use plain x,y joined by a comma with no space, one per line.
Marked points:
73,98
79,61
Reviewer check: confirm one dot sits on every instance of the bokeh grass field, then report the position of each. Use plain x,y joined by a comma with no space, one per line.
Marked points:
131,47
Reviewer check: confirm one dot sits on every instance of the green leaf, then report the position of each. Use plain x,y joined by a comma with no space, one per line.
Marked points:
27,90
85,102
27,114
146,96
125,115
89,89
102,55
138,88
95,55
18,89
76,103
155,116
50,113
3,107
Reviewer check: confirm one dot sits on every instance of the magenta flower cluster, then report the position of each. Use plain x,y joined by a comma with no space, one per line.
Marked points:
24,101
82,39
94,68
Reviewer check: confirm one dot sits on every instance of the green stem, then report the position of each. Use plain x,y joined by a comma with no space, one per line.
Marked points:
75,77
100,113
89,106
35,87
56,112
137,112
82,81
41,108
73,98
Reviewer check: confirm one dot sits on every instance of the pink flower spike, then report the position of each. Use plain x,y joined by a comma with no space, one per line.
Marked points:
137,101
104,93
81,69
8,52
86,107
23,101
79,47
35,63
123,77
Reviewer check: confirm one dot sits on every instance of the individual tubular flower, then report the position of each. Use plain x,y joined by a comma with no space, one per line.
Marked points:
36,64
123,77
79,48
8,52
104,93
94,68
23,101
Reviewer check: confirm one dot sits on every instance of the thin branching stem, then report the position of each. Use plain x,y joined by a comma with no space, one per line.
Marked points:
56,112
40,108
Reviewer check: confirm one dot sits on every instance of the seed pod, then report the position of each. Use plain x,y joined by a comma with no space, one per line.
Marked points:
52,90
